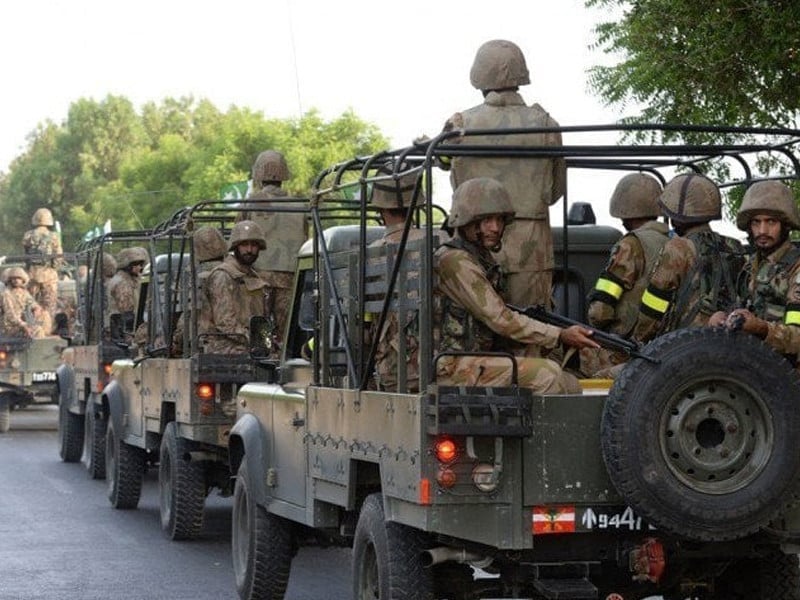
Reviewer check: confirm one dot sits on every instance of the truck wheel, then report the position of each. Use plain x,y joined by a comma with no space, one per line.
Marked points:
94,443
124,470
703,444
262,545
775,576
5,415
70,434
181,488
387,558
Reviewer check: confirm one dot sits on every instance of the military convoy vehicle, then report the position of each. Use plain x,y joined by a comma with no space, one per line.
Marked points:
93,347
679,479
171,403
28,365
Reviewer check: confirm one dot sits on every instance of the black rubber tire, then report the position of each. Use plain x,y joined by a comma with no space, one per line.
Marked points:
703,444
125,466
262,545
70,433
5,415
181,488
775,576
94,443
387,558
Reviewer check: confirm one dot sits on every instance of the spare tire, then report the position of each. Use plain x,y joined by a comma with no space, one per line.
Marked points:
703,443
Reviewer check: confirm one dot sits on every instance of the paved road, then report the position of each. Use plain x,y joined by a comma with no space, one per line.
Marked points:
60,538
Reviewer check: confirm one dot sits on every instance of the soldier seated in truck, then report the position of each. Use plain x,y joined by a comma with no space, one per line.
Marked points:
473,314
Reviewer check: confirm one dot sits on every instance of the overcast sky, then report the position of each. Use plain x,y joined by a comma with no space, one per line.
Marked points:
405,70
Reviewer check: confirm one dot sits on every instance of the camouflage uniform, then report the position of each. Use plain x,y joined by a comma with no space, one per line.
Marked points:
235,293
533,184
695,274
18,306
122,293
285,232
41,243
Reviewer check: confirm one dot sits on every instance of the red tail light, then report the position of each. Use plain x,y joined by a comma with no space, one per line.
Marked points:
205,392
446,451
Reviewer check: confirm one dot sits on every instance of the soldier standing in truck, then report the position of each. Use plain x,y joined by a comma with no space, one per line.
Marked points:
473,313
533,184
43,252
17,304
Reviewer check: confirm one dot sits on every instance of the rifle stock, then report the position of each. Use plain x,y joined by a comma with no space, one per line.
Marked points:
605,339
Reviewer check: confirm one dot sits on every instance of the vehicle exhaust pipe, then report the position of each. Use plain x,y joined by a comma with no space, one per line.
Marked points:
435,556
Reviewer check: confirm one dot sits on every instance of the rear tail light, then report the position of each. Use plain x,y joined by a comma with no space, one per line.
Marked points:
446,450
206,393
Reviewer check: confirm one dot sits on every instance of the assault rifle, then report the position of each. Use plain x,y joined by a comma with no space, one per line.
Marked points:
605,339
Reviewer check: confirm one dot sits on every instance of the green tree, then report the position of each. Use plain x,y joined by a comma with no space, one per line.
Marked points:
724,62
106,161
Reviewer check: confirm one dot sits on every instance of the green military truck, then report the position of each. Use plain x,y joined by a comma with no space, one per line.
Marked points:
679,480
86,368
28,365
171,404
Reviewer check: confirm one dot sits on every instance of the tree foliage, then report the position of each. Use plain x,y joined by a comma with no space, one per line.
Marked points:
725,62
108,161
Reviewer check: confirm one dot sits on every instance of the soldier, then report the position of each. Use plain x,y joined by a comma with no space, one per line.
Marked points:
236,292
18,304
209,251
41,245
473,314
533,184
769,285
393,199
124,285
614,301
696,272
286,231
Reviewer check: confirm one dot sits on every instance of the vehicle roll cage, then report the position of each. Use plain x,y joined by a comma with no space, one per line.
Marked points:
742,150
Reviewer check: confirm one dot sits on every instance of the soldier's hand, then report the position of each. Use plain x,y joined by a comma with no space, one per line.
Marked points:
577,337
717,319
744,320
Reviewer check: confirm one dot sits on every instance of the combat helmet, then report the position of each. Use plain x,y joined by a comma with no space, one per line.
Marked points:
130,256
208,244
11,272
247,231
270,166
109,265
691,199
636,197
499,64
768,197
396,193
478,198
42,216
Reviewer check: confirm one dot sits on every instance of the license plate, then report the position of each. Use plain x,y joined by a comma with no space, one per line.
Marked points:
44,377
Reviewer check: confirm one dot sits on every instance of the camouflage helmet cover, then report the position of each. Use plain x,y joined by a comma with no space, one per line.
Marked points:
396,193
109,265
636,197
691,199
768,197
208,244
129,256
12,272
478,198
42,216
499,64
270,166
247,231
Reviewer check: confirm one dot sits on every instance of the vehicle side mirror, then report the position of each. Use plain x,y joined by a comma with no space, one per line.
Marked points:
581,213
62,326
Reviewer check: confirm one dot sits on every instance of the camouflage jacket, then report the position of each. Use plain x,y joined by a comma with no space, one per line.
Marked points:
18,314
235,293
39,243
122,292
472,312
614,302
285,232
695,276
770,287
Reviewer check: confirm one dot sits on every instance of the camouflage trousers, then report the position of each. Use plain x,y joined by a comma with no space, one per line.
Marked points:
601,363
541,375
